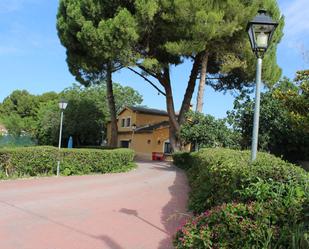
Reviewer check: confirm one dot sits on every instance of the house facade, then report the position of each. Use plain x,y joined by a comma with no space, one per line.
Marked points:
144,130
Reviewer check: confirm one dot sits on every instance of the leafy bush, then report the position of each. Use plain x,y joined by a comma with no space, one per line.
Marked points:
183,160
229,226
84,161
34,161
272,197
207,131
218,174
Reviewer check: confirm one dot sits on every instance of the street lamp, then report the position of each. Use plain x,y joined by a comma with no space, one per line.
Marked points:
133,131
62,105
260,30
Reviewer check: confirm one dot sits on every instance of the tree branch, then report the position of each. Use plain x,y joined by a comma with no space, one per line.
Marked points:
146,79
117,68
148,72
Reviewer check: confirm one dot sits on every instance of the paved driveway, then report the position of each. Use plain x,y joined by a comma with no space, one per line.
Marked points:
135,210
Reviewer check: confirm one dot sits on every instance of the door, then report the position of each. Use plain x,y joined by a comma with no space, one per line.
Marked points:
124,144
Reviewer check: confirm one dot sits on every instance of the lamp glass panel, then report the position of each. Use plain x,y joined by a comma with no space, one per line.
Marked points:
251,37
63,105
261,35
262,40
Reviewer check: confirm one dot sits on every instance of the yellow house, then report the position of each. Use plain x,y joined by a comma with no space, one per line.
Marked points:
145,130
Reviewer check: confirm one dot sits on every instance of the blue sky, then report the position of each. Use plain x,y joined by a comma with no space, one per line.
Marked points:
32,58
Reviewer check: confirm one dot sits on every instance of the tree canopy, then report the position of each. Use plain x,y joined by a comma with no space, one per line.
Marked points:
155,35
207,131
85,118
278,132
296,100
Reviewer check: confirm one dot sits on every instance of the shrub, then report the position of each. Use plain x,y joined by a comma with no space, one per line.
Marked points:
28,161
242,225
34,161
206,131
183,160
275,191
219,174
229,226
84,161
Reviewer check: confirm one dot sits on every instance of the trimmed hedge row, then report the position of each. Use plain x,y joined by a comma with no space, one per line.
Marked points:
266,201
35,161
216,175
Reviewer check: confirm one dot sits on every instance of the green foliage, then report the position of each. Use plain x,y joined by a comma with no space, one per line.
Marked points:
272,196
206,131
296,100
19,111
85,161
230,226
217,27
85,117
96,34
103,36
277,131
183,160
20,102
36,161
228,171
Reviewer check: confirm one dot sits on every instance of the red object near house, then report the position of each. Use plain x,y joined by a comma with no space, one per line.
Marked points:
157,156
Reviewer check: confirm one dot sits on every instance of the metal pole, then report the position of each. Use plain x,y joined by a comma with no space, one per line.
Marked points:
256,110
59,145
131,146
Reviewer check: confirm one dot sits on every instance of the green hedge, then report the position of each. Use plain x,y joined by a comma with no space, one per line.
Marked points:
277,191
216,175
35,161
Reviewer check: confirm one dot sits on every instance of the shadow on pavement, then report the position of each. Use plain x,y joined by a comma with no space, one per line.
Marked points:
110,242
135,213
174,213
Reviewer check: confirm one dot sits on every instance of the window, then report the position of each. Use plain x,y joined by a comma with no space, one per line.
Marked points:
128,122
167,148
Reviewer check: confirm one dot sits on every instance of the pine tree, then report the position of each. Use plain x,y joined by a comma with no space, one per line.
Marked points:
98,40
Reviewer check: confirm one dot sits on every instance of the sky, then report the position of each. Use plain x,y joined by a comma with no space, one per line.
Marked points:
32,58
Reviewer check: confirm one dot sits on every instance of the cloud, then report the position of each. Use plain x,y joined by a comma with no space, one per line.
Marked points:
18,40
296,30
7,6
296,14
8,50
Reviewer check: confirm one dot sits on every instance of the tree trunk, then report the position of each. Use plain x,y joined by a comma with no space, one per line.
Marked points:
176,122
201,87
112,107
166,82
174,126
190,89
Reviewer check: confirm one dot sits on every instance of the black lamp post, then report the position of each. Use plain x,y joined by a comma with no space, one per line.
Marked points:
260,30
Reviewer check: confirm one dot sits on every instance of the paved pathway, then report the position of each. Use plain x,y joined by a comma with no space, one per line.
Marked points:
134,210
